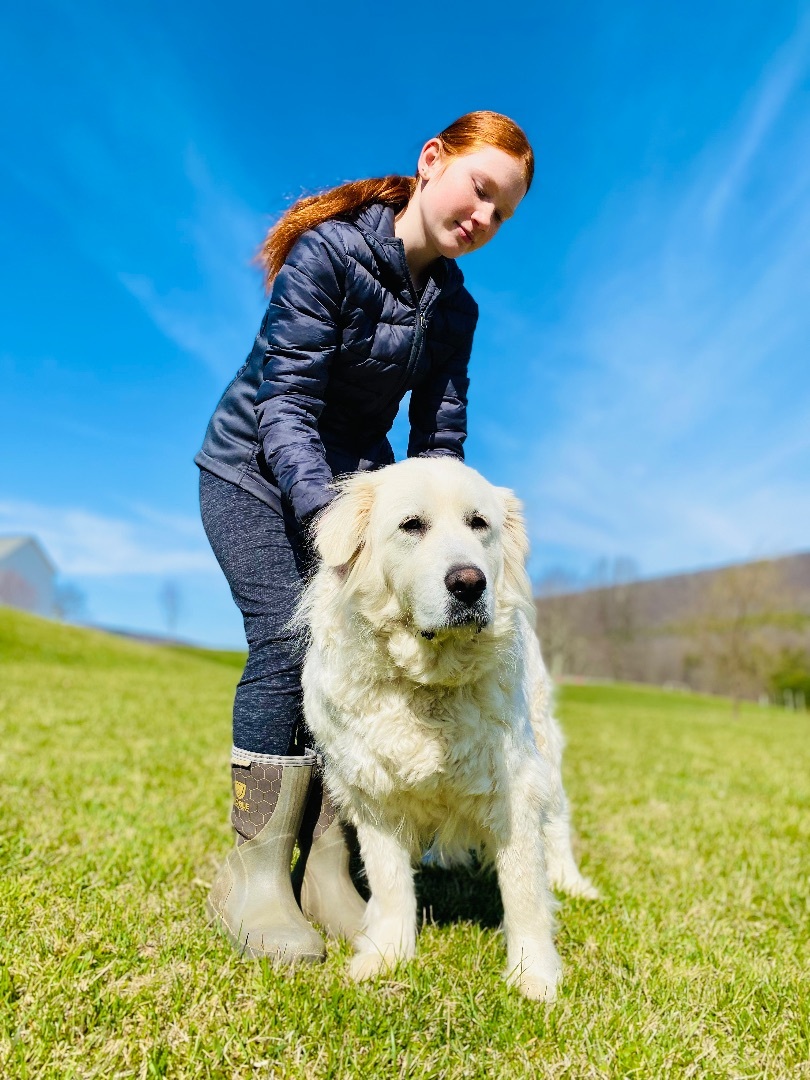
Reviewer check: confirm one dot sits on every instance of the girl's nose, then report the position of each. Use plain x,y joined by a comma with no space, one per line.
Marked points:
482,217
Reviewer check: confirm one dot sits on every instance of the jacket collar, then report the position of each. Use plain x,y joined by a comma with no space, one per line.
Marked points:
376,223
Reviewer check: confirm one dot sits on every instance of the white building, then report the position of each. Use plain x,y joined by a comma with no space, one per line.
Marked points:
27,576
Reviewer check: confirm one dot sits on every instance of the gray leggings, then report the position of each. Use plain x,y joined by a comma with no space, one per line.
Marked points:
263,559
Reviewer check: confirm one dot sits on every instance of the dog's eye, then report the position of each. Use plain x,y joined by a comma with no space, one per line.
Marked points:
478,523
414,525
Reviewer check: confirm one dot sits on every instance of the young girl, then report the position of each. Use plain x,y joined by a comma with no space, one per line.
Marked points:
367,303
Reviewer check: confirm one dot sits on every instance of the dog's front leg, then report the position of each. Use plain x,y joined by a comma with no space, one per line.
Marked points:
389,928
533,964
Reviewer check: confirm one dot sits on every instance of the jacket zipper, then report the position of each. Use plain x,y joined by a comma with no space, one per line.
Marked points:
416,349
421,326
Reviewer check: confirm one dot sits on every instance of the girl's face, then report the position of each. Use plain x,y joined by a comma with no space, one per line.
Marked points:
465,200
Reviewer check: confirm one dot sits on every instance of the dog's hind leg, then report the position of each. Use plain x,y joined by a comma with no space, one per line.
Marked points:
388,935
561,865
563,872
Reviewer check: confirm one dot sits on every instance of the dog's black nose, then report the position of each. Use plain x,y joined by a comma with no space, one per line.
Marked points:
466,583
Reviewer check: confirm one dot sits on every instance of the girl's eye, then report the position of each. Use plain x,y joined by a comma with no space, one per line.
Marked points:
481,193
414,525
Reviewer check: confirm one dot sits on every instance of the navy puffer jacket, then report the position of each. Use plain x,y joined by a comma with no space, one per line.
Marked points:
345,336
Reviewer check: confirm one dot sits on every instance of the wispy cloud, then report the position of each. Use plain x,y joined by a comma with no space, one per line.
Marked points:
139,163
770,97
214,319
679,405
88,544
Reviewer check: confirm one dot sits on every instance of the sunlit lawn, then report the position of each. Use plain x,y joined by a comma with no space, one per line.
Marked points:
695,825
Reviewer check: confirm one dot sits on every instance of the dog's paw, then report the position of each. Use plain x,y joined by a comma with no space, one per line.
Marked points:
366,965
573,884
538,989
536,974
580,886
381,947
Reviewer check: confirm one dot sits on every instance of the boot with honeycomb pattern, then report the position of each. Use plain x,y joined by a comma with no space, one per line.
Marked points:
252,898
321,879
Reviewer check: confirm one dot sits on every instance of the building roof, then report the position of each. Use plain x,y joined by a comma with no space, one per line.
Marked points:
10,544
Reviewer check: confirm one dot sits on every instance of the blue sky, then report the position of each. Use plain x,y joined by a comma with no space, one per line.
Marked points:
641,373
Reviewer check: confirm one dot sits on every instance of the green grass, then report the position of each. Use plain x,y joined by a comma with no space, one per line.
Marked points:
695,825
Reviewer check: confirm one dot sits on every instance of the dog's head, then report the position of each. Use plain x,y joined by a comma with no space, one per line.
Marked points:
427,546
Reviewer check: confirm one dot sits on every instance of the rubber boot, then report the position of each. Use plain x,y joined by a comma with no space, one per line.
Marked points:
321,878
252,899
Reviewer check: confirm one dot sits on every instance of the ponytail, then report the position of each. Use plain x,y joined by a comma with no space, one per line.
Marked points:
335,203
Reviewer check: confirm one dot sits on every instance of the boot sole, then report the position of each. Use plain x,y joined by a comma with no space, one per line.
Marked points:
278,959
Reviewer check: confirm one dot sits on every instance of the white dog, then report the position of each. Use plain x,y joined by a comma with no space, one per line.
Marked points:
425,689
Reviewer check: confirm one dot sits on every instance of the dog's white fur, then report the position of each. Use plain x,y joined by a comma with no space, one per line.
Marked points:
434,715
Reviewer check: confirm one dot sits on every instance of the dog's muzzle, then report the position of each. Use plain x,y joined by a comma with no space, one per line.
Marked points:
466,605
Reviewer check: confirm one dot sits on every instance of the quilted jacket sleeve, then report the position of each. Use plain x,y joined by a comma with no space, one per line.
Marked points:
438,409
302,328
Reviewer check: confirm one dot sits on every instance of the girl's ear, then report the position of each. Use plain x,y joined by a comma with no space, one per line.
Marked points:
515,546
430,159
340,531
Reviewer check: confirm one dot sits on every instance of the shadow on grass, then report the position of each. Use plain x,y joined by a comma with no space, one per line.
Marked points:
447,896
459,895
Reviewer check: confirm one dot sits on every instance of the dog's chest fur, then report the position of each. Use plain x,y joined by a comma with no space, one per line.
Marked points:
443,740
423,751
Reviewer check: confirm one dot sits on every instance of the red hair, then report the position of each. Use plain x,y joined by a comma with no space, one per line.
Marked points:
470,132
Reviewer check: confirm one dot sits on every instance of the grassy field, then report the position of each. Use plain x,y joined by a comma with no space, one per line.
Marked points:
695,825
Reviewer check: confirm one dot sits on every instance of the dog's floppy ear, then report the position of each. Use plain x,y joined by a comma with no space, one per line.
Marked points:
340,530
515,547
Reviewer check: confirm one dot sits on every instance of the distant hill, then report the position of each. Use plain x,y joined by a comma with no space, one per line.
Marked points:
732,630
26,637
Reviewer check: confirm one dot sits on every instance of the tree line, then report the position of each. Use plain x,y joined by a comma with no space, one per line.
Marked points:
742,630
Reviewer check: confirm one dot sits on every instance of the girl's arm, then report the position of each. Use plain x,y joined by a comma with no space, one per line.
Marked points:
302,328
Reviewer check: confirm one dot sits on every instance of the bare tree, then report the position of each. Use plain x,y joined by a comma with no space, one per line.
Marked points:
556,621
69,602
170,599
742,608
615,611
